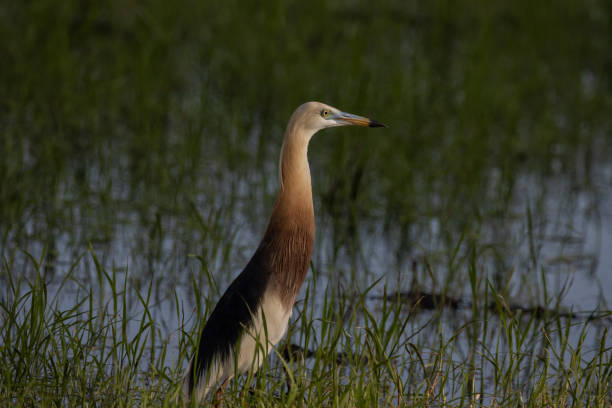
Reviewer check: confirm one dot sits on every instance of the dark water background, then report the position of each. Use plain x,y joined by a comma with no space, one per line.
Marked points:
149,136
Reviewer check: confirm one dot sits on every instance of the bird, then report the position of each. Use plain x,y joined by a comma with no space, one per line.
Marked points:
253,313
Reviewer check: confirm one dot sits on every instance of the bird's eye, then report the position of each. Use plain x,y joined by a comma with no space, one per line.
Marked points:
325,113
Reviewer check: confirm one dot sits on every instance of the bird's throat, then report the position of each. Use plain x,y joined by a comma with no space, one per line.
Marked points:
289,238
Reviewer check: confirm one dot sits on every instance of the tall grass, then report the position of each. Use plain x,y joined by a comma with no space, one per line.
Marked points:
85,348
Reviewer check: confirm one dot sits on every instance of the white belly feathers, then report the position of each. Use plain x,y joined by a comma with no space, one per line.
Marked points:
269,326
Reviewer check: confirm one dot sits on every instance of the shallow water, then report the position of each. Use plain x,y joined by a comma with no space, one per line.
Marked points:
553,231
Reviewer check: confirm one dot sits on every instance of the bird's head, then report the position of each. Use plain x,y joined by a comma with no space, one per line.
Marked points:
307,120
314,116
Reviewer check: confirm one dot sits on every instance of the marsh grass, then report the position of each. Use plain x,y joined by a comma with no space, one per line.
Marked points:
138,153
79,347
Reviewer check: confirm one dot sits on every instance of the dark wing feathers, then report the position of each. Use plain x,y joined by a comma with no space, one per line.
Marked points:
232,313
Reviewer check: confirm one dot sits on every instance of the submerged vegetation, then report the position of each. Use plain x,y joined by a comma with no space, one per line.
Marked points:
460,254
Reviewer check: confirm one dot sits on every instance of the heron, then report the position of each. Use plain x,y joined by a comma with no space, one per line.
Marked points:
253,313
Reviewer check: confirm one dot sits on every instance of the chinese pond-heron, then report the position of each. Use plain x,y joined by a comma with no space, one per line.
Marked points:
253,313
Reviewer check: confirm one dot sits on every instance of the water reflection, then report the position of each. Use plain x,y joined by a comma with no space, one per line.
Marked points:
547,253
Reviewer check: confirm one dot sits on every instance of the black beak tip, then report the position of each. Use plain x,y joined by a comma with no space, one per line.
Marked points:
375,123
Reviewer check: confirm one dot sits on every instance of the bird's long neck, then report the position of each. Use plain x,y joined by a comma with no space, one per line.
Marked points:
289,239
295,186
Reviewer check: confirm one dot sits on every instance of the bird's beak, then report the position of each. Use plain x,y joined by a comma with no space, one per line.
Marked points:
350,119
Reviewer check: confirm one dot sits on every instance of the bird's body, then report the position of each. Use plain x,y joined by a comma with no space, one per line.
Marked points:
253,313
